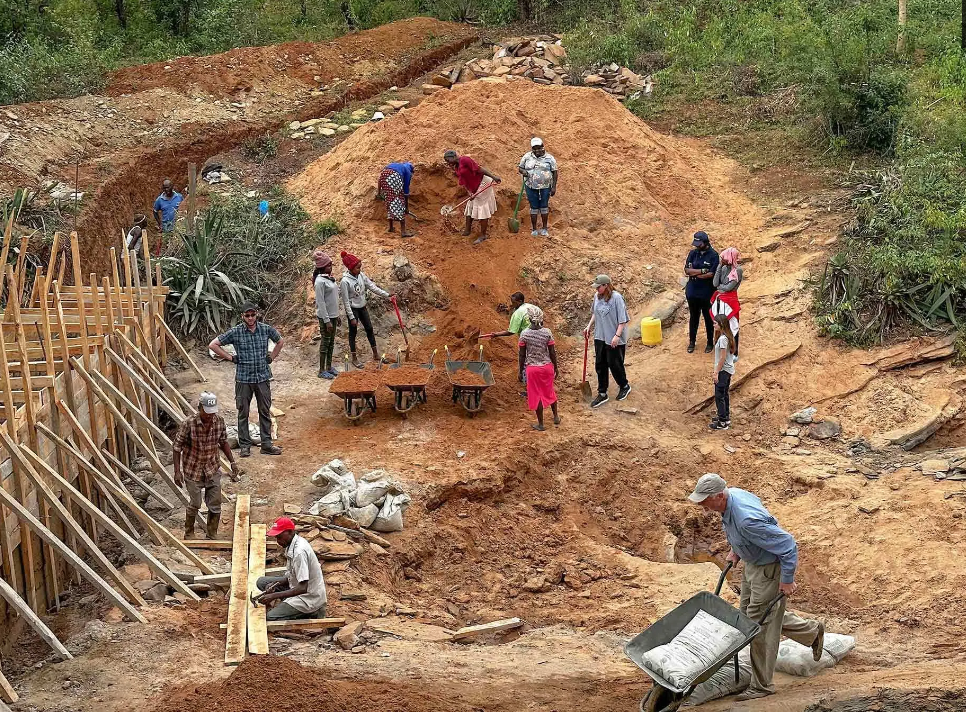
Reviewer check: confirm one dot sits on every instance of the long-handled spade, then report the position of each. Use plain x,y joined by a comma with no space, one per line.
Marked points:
513,224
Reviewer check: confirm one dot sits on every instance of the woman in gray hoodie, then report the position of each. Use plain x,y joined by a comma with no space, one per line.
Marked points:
354,285
327,310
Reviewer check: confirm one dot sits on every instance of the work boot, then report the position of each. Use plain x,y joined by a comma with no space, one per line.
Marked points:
213,519
189,525
246,451
271,450
818,646
355,361
624,391
599,400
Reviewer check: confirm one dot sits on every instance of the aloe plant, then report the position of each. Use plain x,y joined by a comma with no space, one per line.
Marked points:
202,297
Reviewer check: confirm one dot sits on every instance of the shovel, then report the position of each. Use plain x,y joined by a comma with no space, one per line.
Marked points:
585,391
513,224
395,306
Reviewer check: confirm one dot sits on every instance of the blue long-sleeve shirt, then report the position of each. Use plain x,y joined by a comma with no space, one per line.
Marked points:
755,536
404,169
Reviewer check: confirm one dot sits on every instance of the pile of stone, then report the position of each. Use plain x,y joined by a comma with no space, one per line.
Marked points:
542,59
805,423
375,501
619,81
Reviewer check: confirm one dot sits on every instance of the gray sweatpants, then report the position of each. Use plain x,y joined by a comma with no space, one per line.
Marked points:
208,489
759,585
282,610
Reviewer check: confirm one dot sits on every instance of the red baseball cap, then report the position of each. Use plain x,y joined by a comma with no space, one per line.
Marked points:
280,526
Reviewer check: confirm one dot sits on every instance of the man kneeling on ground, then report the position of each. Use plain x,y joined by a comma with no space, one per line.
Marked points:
305,596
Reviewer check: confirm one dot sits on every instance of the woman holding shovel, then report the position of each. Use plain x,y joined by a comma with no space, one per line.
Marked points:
354,286
538,365
478,183
393,187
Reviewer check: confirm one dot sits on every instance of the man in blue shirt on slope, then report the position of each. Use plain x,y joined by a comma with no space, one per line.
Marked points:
771,558
166,207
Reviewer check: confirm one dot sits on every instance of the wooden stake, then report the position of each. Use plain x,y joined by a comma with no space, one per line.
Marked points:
173,411
124,538
148,280
36,623
154,371
164,344
179,347
68,520
47,536
7,694
257,615
51,264
238,598
137,479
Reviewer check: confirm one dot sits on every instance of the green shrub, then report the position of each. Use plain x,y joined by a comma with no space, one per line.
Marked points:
326,229
261,148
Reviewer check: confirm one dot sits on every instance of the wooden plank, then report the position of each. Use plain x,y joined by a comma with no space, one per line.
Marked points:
148,280
121,468
468,632
7,694
219,544
17,603
161,300
336,622
156,373
54,252
257,615
224,579
123,537
70,524
179,347
10,568
238,597
118,398
64,551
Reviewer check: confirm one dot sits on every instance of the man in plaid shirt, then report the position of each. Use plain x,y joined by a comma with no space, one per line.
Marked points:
252,374
196,446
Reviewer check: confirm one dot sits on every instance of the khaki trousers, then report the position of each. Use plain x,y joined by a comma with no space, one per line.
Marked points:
209,489
759,586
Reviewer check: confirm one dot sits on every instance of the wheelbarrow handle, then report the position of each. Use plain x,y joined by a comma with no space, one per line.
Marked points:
721,579
776,600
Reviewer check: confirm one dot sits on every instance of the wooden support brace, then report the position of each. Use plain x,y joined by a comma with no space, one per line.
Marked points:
238,597
154,372
36,623
70,524
64,551
7,694
125,539
121,468
179,347
172,410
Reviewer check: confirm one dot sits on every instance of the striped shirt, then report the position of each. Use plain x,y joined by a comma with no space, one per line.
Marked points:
538,343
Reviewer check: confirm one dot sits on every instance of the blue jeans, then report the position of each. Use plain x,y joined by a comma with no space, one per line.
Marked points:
539,200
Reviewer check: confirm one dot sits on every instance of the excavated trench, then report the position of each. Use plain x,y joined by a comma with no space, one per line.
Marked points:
133,185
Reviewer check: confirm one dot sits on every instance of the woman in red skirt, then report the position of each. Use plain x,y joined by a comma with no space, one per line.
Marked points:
539,357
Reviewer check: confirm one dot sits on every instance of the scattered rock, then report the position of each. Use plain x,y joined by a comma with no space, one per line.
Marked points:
537,584
791,440
933,466
824,430
770,246
804,416
402,269
792,431
348,636
352,596
157,593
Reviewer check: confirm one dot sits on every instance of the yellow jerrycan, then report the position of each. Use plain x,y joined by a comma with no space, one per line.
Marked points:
651,331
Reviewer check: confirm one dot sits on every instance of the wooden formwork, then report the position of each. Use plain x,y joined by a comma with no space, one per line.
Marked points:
81,386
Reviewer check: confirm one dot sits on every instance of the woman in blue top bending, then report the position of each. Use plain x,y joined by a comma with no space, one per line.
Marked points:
393,188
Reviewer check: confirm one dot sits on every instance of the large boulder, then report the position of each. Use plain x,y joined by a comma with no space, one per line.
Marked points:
662,307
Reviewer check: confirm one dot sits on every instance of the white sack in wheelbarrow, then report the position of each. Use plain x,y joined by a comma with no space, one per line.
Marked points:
796,659
390,518
691,652
722,683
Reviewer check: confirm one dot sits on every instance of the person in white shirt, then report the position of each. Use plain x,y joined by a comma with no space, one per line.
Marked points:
539,171
304,597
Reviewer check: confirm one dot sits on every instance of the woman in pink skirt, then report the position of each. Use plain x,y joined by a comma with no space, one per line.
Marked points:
539,357
477,182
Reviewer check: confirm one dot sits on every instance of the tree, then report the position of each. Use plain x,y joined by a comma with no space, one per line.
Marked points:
901,39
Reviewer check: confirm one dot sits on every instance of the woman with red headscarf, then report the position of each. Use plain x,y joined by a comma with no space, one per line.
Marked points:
724,301
354,286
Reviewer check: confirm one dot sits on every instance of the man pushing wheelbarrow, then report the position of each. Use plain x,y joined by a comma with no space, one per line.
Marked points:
770,555
690,644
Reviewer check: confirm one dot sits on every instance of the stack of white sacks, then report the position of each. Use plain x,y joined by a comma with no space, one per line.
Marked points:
376,501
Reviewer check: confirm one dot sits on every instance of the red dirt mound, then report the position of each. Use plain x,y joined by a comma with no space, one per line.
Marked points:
275,683
352,57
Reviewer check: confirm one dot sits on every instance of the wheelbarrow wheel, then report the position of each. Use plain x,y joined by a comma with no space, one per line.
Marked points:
661,699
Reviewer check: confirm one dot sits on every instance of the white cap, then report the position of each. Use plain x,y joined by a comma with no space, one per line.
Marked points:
534,142
708,484
378,116
209,402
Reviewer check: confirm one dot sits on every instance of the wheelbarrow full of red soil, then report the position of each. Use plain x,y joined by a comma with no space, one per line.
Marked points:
469,380
357,389
408,383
